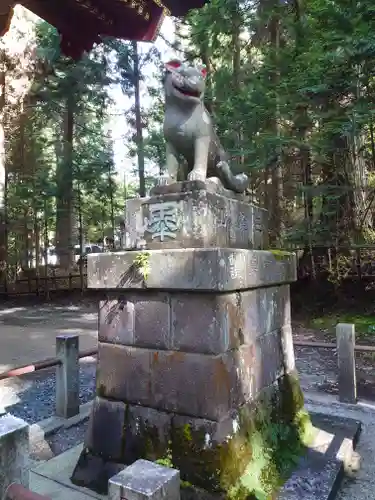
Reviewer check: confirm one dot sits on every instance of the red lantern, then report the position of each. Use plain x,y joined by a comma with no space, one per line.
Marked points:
81,23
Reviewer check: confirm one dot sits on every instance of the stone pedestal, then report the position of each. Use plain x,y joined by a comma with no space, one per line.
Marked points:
195,363
14,452
195,215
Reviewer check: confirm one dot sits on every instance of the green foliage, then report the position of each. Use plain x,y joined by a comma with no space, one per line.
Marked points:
293,80
364,324
61,173
142,264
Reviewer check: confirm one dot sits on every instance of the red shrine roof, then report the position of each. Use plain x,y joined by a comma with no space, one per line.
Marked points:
82,22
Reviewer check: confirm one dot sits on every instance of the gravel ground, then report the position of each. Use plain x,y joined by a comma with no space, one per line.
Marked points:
32,397
59,442
318,367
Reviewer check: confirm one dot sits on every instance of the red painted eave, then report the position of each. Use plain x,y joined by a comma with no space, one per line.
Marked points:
81,23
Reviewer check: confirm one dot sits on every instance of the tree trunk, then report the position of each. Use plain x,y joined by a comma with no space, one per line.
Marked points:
138,122
65,197
276,218
236,70
3,174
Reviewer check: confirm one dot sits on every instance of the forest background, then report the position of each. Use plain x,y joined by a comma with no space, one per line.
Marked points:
291,88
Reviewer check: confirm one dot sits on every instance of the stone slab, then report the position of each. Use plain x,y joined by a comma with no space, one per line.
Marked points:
108,415
265,310
320,471
216,269
136,319
193,322
55,490
212,185
269,360
53,476
151,429
193,215
144,480
14,452
204,386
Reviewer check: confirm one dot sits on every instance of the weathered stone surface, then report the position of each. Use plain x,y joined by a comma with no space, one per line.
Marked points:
197,448
347,381
67,376
269,359
193,322
252,445
207,323
214,432
288,348
211,185
151,429
212,269
136,319
105,430
266,310
192,384
145,480
123,373
94,472
196,218
14,452
134,223
116,321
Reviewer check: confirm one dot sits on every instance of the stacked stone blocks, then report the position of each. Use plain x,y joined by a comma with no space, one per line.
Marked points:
188,345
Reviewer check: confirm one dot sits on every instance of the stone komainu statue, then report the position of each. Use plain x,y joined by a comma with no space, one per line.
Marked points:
189,131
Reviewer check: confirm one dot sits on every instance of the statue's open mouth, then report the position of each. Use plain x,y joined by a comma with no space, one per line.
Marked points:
190,93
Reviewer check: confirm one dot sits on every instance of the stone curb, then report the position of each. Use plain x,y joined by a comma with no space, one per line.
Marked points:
44,428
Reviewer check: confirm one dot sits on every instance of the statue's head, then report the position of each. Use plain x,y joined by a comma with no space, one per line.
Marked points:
184,82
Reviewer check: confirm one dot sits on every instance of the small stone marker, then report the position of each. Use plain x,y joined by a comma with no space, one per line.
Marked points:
144,480
67,376
345,336
14,452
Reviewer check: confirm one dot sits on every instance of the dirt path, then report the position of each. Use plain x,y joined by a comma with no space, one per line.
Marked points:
28,333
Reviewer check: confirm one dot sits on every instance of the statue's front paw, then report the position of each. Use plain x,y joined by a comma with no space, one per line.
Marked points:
197,175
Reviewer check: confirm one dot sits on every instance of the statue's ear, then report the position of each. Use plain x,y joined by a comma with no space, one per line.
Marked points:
172,65
204,71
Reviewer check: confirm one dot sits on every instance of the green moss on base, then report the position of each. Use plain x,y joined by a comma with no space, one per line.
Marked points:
258,458
279,254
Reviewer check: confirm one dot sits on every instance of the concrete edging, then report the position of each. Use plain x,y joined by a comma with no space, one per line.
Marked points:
51,425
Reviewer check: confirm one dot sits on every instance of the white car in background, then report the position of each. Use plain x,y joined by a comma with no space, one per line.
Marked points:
86,249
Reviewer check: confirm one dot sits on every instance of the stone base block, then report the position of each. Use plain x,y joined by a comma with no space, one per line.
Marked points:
195,215
131,431
192,384
94,472
203,269
193,322
14,452
145,480
263,437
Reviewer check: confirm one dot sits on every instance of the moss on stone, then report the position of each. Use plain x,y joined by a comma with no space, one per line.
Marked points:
280,254
257,459
100,390
142,264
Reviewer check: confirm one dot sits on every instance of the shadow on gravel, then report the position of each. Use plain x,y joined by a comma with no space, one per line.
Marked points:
32,397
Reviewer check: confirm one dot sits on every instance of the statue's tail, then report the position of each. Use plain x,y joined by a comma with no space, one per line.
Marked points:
237,183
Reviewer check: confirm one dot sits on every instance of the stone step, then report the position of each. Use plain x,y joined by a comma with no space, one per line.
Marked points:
52,478
319,473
